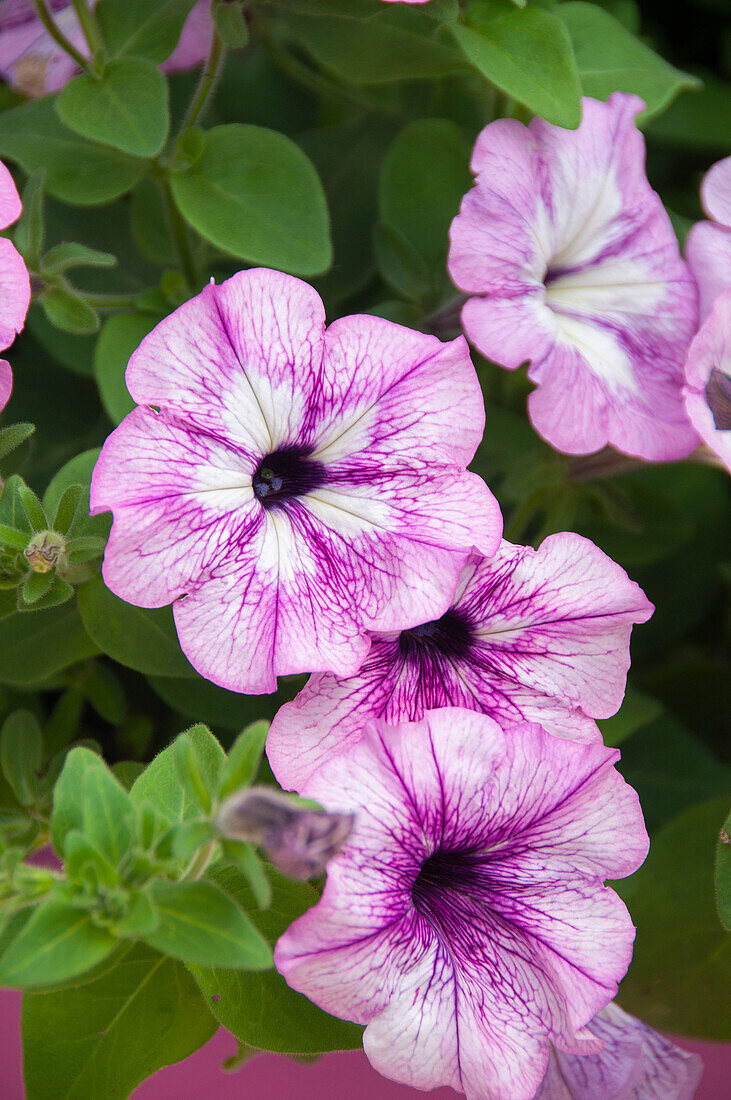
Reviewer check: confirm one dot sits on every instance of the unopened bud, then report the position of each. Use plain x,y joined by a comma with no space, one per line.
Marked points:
44,551
299,842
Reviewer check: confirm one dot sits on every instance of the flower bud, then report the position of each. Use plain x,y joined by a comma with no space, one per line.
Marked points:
45,551
297,841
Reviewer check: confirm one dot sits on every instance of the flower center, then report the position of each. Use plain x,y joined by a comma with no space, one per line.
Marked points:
718,396
285,474
446,879
450,636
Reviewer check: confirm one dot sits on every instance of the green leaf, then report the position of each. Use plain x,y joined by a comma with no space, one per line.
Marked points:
35,587
142,28
78,171
67,508
189,836
376,50
527,54
14,540
119,337
141,638
159,785
80,857
70,254
723,874
59,942
127,107
242,762
77,472
21,754
681,971
55,592
424,176
255,195
33,508
141,918
244,857
34,647
69,311
188,771
698,121
12,437
30,230
670,769
142,1014
108,813
68,809
105,693
400,264
200,924
260,1008
637,711
610,59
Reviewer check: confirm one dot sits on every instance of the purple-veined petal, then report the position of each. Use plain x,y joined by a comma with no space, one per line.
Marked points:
286,500
10,206
547,640
14,292
636,1063
708,380
577,270
194,42
465,921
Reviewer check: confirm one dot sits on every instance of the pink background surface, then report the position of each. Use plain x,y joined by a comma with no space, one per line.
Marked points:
267,1077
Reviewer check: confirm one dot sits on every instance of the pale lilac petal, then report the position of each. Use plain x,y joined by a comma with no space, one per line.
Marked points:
185,501
14,292
547,641
716,192
636,1064
577,271
241,359
6,383
195,40
398,394
708,380
467,984
708,250
10,206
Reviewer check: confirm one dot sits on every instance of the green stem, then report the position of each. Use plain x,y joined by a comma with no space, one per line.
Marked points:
180,235
88,23
49,23
209,78
111,301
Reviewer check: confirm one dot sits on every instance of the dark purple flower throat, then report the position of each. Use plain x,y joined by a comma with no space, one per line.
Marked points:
285,474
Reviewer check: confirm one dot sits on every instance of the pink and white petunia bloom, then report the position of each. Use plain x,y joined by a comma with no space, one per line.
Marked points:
708,380
466,921
32,62
298,486
14,281
532,635
708,247
572,265
636,1064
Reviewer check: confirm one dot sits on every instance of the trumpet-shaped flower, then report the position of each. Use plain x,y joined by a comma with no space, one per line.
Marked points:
708,380
541,636
708,247
35,64
572,265
635,1064
466,921
299,487
14,281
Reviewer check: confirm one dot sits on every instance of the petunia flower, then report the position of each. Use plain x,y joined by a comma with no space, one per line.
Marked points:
299,487
537,635
636,1064
33,63
466,921
708,380
14,281
572,265
708,247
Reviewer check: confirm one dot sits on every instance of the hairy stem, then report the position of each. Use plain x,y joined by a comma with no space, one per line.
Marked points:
43,13
211,74
180,235
88,24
